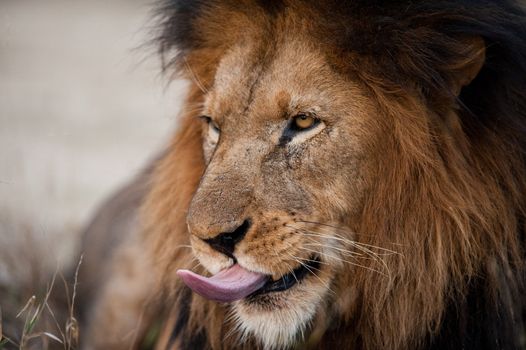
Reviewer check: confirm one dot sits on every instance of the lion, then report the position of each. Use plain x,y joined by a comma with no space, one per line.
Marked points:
345,175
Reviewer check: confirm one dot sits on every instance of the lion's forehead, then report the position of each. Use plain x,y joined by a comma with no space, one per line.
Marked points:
291,77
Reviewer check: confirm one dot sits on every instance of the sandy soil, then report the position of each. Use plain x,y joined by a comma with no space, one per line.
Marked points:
82,106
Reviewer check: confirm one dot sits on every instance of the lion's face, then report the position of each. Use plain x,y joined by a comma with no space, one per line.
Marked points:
287,142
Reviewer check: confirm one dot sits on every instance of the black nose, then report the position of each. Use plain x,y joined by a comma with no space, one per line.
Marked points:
226,242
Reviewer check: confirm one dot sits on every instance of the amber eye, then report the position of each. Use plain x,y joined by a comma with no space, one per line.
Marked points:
301,127
304,121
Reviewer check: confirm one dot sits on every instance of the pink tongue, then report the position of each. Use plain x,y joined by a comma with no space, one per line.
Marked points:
228,285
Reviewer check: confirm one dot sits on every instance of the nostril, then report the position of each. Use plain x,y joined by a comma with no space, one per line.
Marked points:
237,235
226,242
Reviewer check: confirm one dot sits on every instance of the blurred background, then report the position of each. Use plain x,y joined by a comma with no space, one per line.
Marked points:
83,105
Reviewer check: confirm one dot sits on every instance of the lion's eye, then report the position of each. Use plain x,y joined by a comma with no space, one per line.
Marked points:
304,121
301,127
213,129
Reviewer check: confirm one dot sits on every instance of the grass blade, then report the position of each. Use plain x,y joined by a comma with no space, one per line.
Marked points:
54,337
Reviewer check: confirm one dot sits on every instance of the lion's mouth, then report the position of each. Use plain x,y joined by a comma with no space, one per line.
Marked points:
235,282
289,280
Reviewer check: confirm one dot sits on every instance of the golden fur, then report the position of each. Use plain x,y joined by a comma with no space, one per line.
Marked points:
412,195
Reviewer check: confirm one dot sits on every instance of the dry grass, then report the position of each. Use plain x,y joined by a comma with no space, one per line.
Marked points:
37,304
43,322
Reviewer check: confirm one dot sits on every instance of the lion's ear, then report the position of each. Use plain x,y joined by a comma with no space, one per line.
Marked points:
471,60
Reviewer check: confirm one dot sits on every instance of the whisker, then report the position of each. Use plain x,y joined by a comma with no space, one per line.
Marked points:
372,255
331,226
320,244
350,262
292,272
299,261
350,242
346,231
303,260
331,234
312,272
345,252
389,251
289,268
319,234
338,237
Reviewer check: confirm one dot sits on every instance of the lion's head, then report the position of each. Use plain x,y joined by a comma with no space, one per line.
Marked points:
348,172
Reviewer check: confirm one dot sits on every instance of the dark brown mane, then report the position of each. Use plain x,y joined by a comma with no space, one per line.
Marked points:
462,284
400,41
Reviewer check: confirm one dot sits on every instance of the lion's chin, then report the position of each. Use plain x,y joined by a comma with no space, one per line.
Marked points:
279,319
278,316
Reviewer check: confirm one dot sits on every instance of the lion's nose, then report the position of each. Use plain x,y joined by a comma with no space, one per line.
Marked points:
226,242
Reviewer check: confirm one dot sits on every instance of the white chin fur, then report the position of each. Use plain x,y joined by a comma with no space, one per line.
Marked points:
283,324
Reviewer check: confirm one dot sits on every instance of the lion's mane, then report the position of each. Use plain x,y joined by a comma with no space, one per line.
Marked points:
453,201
